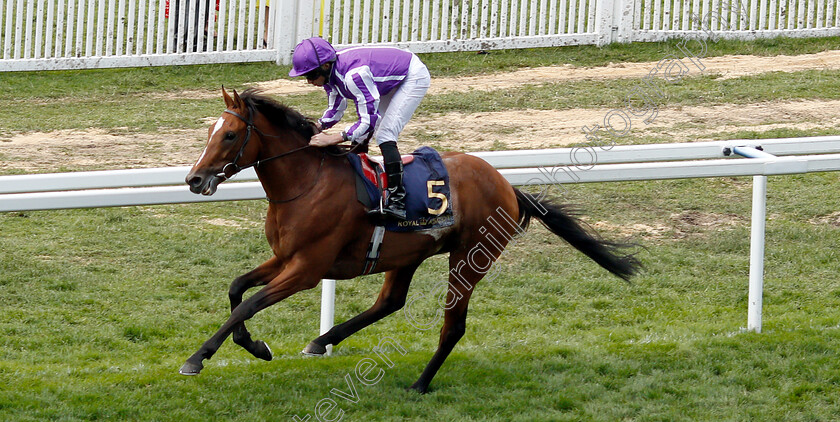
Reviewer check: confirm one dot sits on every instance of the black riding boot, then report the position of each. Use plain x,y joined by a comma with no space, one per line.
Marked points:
395,207
396,191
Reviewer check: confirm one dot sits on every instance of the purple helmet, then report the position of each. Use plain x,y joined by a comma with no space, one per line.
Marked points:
310,54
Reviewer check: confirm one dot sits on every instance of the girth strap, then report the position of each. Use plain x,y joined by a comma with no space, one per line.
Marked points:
374,248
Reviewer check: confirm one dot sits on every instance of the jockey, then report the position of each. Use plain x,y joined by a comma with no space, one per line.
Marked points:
387,84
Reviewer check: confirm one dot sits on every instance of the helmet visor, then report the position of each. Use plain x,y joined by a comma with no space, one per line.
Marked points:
313,74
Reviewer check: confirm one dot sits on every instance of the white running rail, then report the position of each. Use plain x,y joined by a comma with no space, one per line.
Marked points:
758,158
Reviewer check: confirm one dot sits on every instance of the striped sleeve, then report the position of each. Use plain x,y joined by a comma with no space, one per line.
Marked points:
336,104
360,83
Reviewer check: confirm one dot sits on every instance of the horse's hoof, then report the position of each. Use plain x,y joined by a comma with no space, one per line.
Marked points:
313,349
416,387
190,368
262,350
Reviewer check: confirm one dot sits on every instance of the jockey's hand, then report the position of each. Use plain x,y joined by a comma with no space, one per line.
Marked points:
324,140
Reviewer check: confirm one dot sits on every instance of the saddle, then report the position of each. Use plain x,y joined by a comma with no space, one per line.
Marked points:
374,171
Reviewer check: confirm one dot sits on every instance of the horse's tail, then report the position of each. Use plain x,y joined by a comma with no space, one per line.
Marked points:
561,221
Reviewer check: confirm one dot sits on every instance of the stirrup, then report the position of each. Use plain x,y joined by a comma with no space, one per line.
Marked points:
396,214
380,211
384,213
396,203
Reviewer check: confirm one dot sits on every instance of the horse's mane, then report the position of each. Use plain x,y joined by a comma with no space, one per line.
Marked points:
277,113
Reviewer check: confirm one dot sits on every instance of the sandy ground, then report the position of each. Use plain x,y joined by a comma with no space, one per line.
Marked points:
725,66
530,129
520,129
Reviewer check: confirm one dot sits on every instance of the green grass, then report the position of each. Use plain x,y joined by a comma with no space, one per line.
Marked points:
470,63
111,83
101,307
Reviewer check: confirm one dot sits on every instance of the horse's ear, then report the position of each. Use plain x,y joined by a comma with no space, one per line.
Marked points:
228,101
238,103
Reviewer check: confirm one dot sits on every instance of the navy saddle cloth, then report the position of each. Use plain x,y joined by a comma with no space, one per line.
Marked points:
426,181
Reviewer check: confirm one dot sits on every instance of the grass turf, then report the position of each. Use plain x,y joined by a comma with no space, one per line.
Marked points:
102,306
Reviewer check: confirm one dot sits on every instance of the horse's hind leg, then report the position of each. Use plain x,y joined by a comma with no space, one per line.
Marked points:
465,270
391,299
258,277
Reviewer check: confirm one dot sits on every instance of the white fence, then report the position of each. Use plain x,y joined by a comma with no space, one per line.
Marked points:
75,34
68,34
528,167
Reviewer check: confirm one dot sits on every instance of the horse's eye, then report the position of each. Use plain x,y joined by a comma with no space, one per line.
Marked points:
230,136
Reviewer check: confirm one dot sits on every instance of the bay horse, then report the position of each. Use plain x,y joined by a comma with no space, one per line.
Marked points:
317,229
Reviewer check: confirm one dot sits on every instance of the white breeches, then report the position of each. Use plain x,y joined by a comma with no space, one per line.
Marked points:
398,106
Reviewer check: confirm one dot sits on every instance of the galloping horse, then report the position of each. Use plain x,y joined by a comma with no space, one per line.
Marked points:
317,228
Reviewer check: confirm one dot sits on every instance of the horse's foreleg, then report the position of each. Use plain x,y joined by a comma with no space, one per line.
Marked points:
258,277
283,286
391,299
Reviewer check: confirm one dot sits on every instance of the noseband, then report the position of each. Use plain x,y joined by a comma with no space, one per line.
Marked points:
249,126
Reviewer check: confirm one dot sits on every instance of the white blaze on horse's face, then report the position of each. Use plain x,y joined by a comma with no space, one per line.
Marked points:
203,178
216,128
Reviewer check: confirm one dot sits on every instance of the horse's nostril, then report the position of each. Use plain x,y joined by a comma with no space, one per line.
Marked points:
195,183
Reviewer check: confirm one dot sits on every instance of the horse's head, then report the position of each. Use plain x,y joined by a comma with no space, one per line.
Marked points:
231,143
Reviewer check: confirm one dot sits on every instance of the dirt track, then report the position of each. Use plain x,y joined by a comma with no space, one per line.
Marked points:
726,66
519,129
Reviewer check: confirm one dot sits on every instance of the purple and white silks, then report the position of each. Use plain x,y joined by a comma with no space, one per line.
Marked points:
387,84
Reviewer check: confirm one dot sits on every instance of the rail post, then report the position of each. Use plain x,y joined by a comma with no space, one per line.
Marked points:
327,308
757,229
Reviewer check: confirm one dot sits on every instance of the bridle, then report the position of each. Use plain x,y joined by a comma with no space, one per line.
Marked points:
250,126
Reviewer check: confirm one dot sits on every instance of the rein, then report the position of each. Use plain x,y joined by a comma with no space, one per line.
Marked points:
312,186
346,149
236,168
